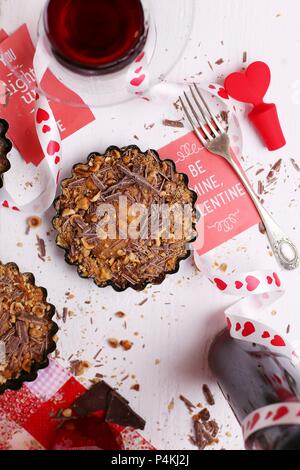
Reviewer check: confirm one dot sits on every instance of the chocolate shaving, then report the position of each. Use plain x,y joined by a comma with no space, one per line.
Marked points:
32,319
187,403
41,247
22,332
295,164
138,178
98,182
172,123
77,183
208,395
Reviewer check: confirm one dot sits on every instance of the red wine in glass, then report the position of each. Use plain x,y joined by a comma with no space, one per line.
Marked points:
95,36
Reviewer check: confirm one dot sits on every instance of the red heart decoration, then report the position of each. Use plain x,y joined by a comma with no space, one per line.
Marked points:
277,280
228,323
220,284
57,160
212,87
251,86
269,415
5,204
238,326
238,285
223,94
140,57
46,129
266,334
278,341
255,419
53,147
138,70
249,329
269,280
252,283
14,208
137,81
282,411
42,115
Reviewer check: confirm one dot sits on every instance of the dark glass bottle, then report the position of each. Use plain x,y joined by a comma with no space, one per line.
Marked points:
251,377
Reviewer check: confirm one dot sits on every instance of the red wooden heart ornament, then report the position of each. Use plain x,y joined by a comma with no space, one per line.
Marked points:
238,326
46,129
251,86
238,285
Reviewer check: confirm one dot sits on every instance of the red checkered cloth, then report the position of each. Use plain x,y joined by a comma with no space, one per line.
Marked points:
28,418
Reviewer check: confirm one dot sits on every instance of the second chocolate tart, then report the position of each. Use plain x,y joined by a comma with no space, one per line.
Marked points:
144,179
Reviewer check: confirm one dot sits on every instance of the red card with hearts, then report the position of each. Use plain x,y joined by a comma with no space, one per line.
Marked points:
18,51
223,203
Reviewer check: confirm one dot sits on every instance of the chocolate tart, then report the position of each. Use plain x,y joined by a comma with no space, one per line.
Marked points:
122,261
26,328
5,148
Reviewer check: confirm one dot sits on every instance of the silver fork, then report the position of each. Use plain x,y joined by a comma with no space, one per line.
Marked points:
216,140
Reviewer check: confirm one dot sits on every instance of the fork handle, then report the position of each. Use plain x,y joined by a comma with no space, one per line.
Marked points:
283,248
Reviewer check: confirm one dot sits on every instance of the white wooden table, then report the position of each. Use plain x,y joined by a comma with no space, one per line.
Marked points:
172,330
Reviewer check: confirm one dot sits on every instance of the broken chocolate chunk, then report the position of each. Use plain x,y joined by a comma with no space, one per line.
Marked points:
119,412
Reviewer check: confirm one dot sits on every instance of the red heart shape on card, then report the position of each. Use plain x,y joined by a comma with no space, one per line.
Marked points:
282,411
137,81
249,329
269,415
42,115
46,129
57,160
238,326
138,70
53,147
265,334
251,86
238,285
220,284
277,341
252,283
269,280
277,280
223,94
255,420
5,204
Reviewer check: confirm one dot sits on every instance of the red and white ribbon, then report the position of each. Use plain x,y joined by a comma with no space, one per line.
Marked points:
278,414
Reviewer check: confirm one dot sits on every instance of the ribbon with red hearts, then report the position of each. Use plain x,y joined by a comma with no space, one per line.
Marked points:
259,290
278,414
138,81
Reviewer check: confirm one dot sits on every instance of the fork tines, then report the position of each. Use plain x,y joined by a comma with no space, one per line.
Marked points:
200,115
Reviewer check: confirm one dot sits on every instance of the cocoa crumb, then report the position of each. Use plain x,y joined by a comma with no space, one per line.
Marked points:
143,302
78,367
219,62
120,314
135,387
113,342
245,57
41,248
126,344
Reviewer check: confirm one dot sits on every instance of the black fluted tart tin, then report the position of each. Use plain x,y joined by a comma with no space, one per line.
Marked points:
16,383
5,148
142,285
